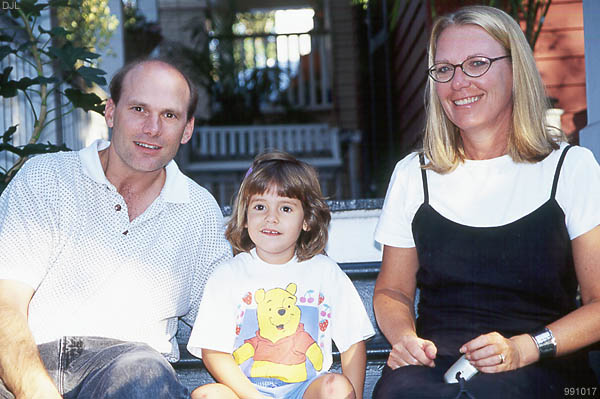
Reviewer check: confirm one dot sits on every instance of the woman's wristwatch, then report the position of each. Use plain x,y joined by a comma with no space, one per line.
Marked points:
545,342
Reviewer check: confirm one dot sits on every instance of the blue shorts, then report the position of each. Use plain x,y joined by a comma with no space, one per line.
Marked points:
277,389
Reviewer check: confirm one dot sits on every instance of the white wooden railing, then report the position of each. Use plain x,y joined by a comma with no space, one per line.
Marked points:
233,147
219,156
302,62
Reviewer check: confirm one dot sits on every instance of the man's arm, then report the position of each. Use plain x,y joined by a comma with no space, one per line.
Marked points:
21,368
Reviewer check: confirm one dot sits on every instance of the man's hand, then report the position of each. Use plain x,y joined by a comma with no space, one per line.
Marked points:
44,388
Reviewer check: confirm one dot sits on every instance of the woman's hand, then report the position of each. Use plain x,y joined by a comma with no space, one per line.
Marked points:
412,350
493,353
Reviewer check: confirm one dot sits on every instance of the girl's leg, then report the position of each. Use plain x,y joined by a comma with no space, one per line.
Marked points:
213,391
330,386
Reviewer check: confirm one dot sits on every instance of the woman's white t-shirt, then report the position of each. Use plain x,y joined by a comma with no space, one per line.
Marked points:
492,192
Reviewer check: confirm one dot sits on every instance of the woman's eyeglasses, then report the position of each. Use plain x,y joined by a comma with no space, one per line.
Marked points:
473,66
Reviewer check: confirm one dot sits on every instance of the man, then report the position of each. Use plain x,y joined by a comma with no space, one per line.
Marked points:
103,249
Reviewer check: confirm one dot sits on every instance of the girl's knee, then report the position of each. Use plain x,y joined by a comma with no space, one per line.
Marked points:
339,386
213,391
334,386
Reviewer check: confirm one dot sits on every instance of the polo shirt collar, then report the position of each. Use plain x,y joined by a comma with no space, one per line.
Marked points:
175,189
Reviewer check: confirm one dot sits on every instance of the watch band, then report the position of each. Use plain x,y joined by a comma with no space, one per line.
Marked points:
545,342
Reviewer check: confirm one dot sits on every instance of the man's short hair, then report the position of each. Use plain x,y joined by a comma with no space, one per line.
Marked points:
116,84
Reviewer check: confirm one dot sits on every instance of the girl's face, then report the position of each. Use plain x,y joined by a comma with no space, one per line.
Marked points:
274,225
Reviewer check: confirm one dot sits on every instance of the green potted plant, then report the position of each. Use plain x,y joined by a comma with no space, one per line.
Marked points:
23,36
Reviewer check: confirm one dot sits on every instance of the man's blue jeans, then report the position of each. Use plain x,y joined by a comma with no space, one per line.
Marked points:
103,368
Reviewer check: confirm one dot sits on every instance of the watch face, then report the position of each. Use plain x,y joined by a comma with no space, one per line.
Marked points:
544,337
546,343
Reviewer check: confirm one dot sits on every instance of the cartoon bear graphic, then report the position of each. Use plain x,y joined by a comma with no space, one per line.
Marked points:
281,346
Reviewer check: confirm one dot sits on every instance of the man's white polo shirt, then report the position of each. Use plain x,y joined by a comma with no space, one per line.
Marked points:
65,231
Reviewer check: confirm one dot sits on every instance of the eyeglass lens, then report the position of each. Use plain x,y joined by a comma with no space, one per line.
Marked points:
472,67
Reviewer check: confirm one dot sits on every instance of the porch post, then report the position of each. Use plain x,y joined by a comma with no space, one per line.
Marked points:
590,135
112,63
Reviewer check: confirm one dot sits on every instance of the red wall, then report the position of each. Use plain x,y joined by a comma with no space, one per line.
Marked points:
559,53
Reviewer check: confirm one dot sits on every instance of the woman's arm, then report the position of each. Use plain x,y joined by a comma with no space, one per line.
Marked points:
226,371
574,331
354,364
582,327
393,301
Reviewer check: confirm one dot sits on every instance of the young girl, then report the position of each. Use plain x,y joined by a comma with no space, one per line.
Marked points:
268,316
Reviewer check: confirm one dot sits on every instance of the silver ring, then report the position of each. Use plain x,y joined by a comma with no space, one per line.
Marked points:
502,358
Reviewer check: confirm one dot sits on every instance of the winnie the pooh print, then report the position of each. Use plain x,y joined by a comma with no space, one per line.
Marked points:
281,346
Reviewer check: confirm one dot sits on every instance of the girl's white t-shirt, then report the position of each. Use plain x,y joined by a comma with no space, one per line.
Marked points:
311,302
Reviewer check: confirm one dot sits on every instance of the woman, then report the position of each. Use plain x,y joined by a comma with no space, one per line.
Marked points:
495,223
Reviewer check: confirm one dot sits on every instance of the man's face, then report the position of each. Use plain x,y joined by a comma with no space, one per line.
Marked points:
149,122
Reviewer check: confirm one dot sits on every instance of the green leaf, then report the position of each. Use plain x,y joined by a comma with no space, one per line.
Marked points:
31,8
5,74
61,3
63,55
85,101
68,55
6,38
8,88
92,75
32,149
58,31
4,51
26,82
11,148
7,136
41,148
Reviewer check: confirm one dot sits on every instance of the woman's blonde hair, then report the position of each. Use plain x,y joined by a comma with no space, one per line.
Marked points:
277,170
530,140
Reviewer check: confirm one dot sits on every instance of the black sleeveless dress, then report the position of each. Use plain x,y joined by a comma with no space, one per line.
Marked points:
513,279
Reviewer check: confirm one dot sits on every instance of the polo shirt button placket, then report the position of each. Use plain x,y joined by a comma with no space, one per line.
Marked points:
118,208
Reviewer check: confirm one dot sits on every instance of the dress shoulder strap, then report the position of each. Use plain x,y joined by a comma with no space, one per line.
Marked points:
557,171
424,178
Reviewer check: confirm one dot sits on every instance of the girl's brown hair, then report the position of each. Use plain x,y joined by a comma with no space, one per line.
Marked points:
291,178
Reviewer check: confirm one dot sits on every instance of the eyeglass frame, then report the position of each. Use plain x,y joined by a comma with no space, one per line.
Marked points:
454,66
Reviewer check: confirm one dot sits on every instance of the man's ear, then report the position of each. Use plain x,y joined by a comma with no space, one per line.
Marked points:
188,131
109,112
